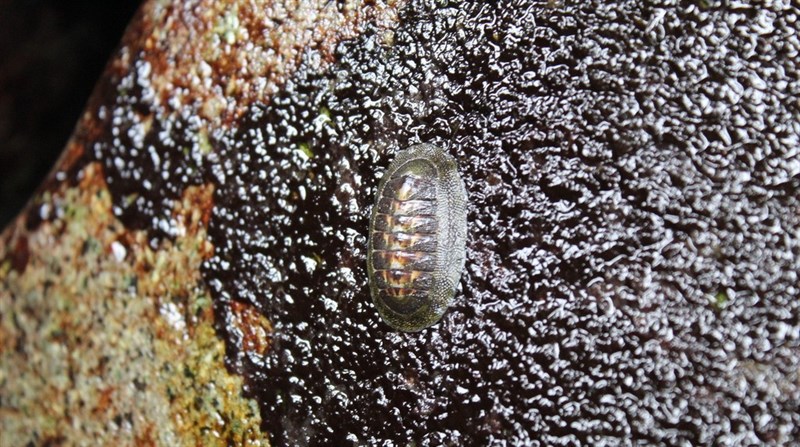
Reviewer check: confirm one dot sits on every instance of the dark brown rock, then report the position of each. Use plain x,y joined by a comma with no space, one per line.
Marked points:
632,174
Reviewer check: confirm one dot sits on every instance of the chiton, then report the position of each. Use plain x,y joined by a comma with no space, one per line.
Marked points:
417,238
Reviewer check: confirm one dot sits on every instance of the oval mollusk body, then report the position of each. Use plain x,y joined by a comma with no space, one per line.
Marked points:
417,238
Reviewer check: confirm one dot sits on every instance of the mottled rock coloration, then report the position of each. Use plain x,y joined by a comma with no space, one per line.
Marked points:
105,341
632,265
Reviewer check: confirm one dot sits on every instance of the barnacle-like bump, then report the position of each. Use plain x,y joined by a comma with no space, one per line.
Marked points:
417,238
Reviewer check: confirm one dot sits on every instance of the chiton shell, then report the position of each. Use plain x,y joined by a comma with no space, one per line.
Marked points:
417,238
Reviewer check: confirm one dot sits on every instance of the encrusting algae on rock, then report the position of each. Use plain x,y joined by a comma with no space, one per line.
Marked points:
107,327
624,163
104,340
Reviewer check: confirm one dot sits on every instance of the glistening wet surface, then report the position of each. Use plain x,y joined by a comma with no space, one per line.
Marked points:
632,257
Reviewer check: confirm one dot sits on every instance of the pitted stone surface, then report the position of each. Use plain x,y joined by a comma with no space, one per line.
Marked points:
633,251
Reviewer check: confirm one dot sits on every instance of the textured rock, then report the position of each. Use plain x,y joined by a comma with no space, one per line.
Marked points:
632,172
106,341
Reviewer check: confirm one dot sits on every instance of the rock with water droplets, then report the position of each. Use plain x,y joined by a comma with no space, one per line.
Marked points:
632,250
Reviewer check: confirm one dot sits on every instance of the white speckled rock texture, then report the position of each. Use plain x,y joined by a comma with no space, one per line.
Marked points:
632,171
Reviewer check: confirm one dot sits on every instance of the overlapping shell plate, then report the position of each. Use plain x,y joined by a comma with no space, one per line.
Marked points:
417,238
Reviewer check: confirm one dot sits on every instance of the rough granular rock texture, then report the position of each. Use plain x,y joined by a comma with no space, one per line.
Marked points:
633,250
633,178
104,341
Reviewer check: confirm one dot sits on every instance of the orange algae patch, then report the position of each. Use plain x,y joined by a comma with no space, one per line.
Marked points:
105,340
220,57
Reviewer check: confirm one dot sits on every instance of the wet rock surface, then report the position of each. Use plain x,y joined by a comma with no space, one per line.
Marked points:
633,248
632,258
